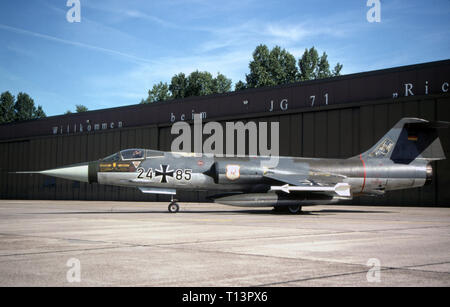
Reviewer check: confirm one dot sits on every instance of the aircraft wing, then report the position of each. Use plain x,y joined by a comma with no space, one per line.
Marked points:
314,177
152,190
325,178
148,190
293,179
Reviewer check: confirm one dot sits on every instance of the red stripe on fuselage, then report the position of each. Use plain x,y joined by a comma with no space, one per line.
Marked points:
364,167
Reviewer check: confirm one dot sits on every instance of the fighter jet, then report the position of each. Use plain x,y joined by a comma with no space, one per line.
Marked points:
399,160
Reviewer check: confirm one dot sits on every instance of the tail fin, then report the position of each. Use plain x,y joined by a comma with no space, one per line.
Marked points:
408,140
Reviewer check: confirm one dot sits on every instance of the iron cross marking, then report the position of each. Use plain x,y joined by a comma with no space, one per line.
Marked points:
164,172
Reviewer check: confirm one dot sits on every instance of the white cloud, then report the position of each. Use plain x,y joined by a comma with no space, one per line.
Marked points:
75,43
251,33
151,18
290,32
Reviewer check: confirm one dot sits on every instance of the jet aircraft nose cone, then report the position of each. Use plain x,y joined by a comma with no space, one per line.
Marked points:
78,172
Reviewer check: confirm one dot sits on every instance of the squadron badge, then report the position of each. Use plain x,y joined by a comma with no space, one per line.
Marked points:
233,172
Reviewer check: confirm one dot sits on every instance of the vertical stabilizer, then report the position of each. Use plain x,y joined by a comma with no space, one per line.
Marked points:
408,140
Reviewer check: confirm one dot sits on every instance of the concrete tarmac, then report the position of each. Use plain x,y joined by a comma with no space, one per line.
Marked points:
55,243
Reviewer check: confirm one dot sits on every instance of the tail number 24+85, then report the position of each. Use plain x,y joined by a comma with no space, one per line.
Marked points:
178,174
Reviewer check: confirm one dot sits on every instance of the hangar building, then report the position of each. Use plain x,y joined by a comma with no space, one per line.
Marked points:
336,117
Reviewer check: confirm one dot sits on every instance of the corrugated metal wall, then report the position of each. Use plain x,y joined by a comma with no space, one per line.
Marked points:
336,132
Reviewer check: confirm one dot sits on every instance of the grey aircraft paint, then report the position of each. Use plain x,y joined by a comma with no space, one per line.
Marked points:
399,160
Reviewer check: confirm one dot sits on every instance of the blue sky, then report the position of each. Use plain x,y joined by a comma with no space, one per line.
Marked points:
121,48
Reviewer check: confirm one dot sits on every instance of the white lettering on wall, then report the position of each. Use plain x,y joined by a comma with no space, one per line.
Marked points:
73,129
408,89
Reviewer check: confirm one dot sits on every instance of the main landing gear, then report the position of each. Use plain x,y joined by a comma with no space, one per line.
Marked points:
293,209
173,206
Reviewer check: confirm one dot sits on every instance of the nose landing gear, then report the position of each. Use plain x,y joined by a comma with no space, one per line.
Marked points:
173,206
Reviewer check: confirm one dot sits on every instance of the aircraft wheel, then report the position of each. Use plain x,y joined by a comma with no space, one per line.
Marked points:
174,208
295,209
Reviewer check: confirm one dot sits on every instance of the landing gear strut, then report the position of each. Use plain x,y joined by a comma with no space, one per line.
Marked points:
173,206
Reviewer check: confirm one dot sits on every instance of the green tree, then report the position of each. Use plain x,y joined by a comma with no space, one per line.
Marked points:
337,70
200,83
271,67
68,112
314,67
24,107
308,64
178,86
159,92
39,113
239,86
259,68
6,107
323,67
282,65
221,84
79,108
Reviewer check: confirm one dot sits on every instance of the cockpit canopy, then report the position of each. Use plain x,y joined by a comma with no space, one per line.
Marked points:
132,154
112,158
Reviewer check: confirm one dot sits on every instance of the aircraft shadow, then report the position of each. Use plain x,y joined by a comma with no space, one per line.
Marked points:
350,211
221,212
166,212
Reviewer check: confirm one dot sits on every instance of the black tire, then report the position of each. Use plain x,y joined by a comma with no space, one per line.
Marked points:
174,208
295,209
